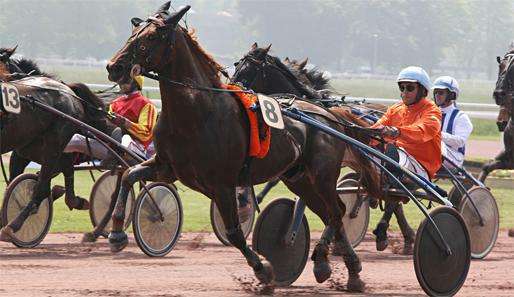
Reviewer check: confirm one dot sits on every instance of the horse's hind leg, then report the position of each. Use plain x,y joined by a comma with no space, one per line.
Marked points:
380,231
321,197
41,191
72,201
225,199
408,234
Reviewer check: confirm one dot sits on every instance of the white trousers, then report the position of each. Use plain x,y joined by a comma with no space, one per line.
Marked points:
78,144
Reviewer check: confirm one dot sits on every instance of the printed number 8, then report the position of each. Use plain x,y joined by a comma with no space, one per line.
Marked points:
270,111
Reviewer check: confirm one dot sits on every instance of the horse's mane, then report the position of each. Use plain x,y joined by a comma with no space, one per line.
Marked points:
28,66
211,67
317,78
307,90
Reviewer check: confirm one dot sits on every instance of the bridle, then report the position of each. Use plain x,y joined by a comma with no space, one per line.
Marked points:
261,69
137,50
504,83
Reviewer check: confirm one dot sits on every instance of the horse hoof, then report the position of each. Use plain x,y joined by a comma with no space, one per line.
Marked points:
118,241
382,244
265,275
89,237
511,232
6,234
322,271
355,284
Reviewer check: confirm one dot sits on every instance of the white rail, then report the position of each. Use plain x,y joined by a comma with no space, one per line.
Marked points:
474,110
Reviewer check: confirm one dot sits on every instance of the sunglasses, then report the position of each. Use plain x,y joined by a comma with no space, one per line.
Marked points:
407,88
439,92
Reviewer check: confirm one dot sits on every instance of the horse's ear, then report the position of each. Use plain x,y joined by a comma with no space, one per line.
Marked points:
136,21
254,46
10,51
498,59
266,50
164,7
303,63
175,18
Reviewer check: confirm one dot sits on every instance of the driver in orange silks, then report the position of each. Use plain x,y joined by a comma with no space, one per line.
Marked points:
412,127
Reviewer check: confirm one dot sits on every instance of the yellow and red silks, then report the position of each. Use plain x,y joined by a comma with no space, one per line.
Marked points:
258,148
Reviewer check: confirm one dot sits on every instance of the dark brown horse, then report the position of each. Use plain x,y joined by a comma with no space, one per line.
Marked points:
503,95
262,72
36,135
202,136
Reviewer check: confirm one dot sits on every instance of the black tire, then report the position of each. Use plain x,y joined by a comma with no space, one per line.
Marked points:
437,273
16,197
268,240
99,201
357,227
483,237
155,237
219,227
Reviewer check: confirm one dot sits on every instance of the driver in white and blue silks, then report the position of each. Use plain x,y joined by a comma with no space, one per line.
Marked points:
456,125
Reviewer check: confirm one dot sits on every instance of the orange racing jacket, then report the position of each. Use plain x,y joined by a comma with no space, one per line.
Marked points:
420,131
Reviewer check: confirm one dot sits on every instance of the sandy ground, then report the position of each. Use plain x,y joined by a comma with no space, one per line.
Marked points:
483,148
200,266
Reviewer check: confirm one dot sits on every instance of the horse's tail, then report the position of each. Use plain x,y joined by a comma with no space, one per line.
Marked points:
94,107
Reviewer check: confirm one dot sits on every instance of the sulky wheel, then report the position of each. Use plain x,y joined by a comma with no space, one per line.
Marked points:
356,223
269,241
483,236
16,197
219,227
100,199
157,221
438,273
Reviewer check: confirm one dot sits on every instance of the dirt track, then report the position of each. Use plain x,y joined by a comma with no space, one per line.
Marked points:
200,266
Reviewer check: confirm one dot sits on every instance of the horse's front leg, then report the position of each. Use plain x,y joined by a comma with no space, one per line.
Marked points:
118,239
17,165
502,161
99,229
225,199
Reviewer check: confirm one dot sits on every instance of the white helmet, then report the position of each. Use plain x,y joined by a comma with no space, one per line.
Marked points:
415,74
449,83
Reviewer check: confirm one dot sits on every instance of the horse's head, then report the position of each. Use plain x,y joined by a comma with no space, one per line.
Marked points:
264,73
504,88
250,69
504,83
150,43
6,65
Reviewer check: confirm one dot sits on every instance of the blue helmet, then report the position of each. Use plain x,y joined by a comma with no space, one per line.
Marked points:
449,83
415,74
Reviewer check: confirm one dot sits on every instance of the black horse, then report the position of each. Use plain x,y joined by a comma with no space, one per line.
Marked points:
36,135
267,74
202,137
503,96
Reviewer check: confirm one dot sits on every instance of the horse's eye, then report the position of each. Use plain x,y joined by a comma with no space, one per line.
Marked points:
143,48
